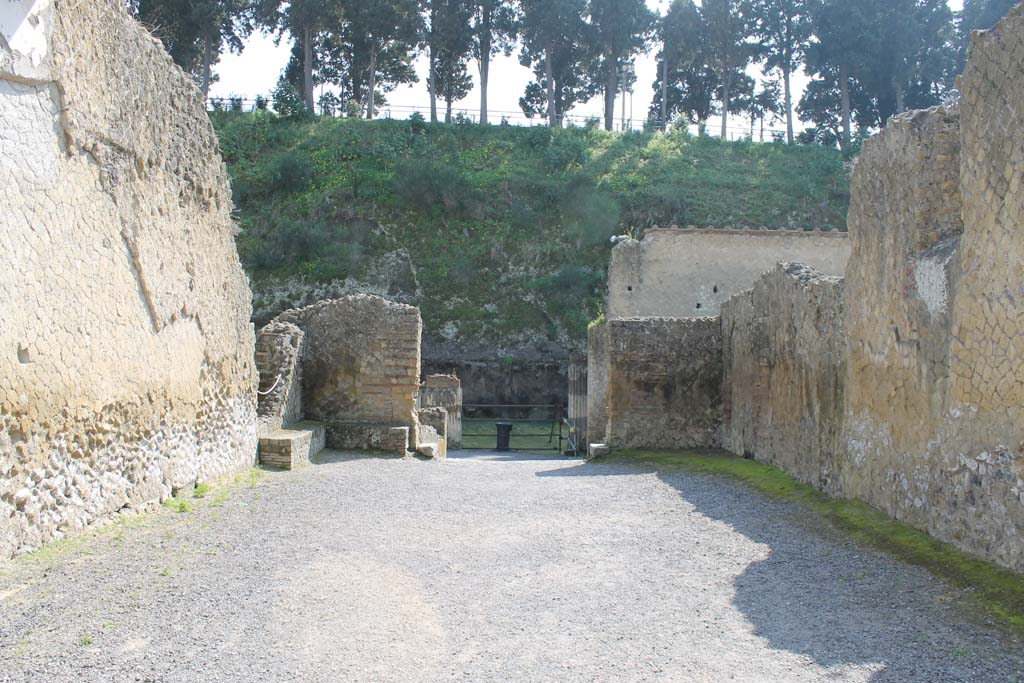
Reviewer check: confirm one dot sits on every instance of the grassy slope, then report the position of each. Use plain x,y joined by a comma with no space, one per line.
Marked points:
508,227
997,591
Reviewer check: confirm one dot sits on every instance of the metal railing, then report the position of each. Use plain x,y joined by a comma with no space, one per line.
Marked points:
535,428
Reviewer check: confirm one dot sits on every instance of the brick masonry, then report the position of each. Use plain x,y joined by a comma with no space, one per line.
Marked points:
361,365
292,448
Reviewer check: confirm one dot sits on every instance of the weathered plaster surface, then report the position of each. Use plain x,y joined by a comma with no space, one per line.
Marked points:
126,365
785,369
682,273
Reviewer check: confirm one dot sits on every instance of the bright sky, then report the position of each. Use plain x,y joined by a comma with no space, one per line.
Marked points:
255,72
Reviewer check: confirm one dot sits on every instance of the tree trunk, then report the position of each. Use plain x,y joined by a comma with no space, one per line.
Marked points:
788,88
486,41
432,57
307,67
207,62
901,104
485,69
664,90
844,87
550,75
611,88
432,87
762,129
371,86
448,110
624,104
726,90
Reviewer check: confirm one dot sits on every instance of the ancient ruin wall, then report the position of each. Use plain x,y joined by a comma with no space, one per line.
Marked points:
677,273
905,225
279,348
935,389
444,391
361,362
664,383
984,506
784,351
126,352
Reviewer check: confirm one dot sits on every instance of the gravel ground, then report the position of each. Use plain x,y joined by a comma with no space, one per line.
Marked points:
496,569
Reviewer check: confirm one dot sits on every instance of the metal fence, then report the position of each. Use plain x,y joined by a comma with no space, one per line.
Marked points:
535,428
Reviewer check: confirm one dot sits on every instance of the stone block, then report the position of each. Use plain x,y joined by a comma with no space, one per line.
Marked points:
292,448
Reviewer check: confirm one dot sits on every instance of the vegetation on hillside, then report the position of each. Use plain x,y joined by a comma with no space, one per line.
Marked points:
507,228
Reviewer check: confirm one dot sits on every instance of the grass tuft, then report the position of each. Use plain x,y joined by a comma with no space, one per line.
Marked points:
179,505
997,591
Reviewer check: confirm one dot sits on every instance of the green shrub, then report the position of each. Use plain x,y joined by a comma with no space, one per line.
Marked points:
291,172
288,101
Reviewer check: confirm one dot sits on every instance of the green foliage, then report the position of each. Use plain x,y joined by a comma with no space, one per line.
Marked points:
998,591
179,505
508,228
288,101
291,172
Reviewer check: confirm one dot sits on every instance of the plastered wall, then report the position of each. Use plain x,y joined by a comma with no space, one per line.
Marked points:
683,273
126,352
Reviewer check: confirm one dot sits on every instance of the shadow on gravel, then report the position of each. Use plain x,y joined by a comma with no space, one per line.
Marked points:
518,456
821,595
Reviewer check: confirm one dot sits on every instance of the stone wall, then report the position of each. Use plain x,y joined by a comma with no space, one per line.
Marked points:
279,348
445,391
905,224
932,424
678,273
785,372
361,362
664,383
496,379
126,351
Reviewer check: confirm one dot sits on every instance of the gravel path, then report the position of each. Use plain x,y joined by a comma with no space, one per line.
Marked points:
486,569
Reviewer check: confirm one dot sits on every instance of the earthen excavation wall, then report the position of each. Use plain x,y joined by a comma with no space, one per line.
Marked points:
664,383
784,351
126,351
681,273
360,364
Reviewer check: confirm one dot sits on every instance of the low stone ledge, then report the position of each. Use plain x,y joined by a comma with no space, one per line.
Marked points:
292,448
365,436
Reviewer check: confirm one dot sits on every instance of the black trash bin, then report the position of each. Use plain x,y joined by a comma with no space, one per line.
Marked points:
504,436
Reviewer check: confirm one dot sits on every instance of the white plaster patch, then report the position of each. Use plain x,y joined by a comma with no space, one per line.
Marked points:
930,279
25,29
